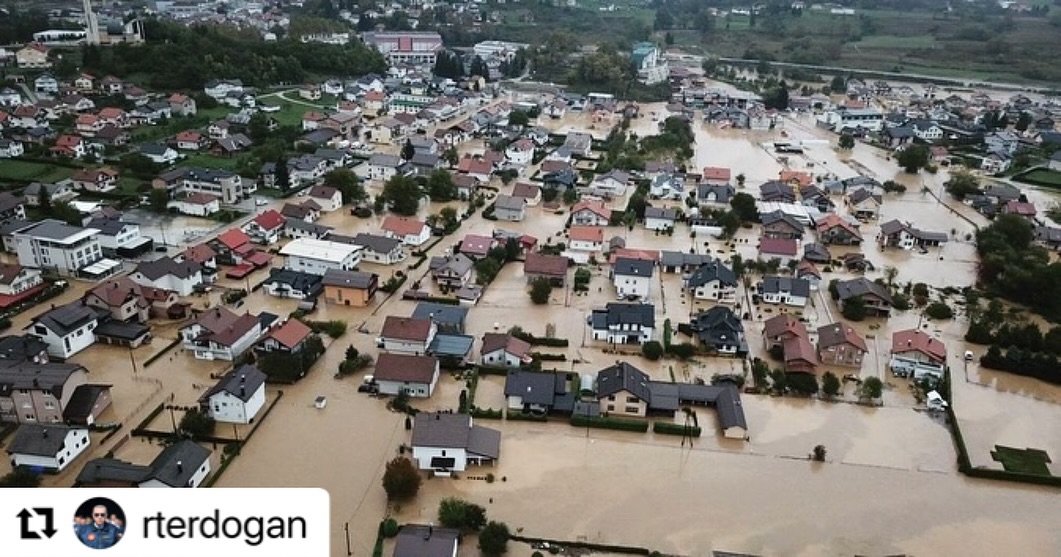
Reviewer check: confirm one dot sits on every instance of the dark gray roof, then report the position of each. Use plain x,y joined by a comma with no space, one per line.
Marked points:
633,267
65,319
900,132
861,286
241,383
375,243
451,345
510,203
114,329
862,194
893,226
352,279
618,314
718,325
415,540
39,439
109,226
774,190
9,201
682,259
385,160
660,213
13,226
775,216
18,349
82,402
795,286
296,280
319,230
54,230
723,192
456,431
188,454
27,375
112,470
713,270
816,253
441,314
458,264
163,266
536,387
623,377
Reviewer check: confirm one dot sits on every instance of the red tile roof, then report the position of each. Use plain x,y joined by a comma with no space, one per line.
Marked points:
542,264
270,220
406,328
778,246
291,334
233,238
200,253
833,220
913,340
403,226
716,173
587,233
803,178
594,207
405,369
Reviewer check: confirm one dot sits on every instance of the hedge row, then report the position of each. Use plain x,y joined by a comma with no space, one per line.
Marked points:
523,416
541,341
493,370
666,428
610,423
549,357
486,413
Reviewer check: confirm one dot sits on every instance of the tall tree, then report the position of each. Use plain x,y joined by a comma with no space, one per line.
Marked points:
408,150
913,158
282,175
401,480
344,180
401,194
440,186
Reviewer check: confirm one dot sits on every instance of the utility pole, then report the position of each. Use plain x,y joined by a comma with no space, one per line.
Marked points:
346,528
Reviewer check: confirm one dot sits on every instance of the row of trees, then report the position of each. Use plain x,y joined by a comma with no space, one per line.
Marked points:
806,384
179,57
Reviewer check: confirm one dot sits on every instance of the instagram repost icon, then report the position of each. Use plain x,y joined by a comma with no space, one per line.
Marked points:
99,523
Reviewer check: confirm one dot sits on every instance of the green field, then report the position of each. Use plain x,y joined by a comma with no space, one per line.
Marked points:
1025,461
31,171
204,160
1040,177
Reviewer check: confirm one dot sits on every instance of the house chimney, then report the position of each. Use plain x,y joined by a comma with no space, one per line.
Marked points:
180,466
44,433
243,378
430,530
242,391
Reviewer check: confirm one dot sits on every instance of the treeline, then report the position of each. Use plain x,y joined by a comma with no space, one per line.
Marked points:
1014,268
1016,345
179,57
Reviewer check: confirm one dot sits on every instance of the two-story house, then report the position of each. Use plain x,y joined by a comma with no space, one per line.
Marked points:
407,335
632,278
66,329
785,290
713,281
839,344
620,323
237,397
167,274
220,334
452,271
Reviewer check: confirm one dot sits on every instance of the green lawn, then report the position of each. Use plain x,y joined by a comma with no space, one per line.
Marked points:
29,171
1026,461
895,41
290,113
204,160
1041,177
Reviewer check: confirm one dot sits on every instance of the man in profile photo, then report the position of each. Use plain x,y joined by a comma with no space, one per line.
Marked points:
98,532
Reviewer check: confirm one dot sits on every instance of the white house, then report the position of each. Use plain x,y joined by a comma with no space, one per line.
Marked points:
16,279
51,447
167,274
120,237
383,167
53,244
9,149
713,281
159,154
219,88
329,198
266,228
313,256
520,152
510,208
446,443
182,464
415,375
504,350
586,238
658,218
237,397
407,335
612,184
621,323
785,290
66,330
632,277
198,204
380,249
410,231
219,334
590,213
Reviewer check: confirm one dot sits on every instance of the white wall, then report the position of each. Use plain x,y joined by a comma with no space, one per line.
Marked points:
627,285
320,266
66,346
228,408
77,441
423,456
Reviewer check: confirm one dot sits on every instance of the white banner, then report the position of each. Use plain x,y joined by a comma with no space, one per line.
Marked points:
254,522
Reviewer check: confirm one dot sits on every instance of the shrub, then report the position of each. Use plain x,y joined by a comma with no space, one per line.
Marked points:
401,480
667,428
197,424
390,528
683,350
610,423
541,287
460,514
549,357
493,540
652,350
939,310
334,329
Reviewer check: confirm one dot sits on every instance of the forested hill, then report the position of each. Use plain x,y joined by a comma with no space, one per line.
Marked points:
179,57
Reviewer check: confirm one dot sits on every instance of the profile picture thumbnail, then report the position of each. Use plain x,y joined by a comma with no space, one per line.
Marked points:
99,523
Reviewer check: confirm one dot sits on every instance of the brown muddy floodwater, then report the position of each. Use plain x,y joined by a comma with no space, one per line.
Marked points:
889,484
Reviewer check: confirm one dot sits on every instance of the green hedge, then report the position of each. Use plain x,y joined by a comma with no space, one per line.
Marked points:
492,370
541,341
667,428
486,413
439,300
610,423
549,357
523,416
